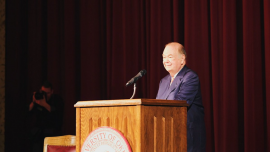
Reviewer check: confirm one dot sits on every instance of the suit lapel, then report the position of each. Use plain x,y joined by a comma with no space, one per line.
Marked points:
176,81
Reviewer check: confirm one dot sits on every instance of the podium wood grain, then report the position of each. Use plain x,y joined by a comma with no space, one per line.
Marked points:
149,125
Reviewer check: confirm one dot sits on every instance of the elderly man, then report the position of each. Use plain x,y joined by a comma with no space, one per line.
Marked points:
183,84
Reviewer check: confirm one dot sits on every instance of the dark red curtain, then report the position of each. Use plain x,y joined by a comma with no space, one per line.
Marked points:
90,49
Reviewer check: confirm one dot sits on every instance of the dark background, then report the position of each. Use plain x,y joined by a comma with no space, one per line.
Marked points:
89,49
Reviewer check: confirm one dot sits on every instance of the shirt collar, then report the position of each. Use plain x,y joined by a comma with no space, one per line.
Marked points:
175,75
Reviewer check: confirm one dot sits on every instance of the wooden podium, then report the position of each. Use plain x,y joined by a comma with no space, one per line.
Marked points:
149,125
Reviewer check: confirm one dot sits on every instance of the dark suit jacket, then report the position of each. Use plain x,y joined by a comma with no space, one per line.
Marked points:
186,86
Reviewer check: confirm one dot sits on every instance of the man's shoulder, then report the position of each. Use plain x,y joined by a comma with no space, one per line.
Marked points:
190,72
167,77
56,97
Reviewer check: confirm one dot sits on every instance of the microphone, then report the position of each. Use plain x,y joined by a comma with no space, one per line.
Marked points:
138,76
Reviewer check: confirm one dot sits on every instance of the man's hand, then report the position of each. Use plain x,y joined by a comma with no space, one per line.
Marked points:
32,103
42,102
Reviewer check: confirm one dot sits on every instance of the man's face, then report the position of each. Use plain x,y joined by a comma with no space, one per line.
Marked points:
48,91
173,61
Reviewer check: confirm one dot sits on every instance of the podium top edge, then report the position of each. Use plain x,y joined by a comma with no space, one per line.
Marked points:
131,102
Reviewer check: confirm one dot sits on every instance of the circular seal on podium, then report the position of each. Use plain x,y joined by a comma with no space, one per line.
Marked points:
106,139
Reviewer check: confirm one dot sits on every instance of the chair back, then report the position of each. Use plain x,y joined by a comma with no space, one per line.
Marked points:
65,143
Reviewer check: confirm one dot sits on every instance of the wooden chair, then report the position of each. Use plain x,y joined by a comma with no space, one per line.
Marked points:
65,143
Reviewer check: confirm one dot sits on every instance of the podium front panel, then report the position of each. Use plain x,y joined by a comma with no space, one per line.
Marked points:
126,119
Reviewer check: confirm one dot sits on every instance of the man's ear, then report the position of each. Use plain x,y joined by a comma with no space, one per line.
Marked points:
183,58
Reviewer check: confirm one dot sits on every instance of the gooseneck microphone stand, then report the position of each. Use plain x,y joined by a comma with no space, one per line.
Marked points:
134,91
